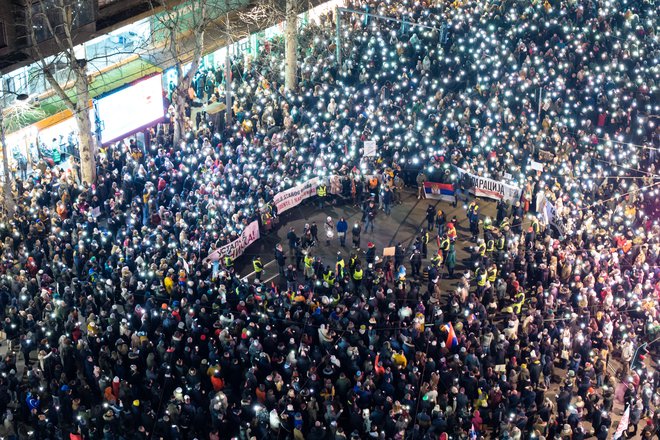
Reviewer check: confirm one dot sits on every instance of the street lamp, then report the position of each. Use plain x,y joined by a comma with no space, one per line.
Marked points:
8,202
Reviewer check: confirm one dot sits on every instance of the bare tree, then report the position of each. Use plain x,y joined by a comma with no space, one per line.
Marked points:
287,11
194,17
60,20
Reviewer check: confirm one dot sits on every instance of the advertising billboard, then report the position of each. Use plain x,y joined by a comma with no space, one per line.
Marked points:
130,109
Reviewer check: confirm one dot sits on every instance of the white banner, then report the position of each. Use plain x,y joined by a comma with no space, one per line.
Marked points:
293,196
623,424
236,248
550,217
492,189
369,149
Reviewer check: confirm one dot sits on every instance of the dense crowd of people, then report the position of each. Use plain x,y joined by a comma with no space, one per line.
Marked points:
127,332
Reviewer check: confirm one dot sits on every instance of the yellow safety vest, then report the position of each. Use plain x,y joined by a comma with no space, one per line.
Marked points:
357,275
492,274
308,261
444,244
258,267
481,280
517,306
329,278
321,191
491,246
482,249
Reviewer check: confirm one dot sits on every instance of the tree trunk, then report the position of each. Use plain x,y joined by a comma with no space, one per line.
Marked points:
179,99
291,41
85,134
8,197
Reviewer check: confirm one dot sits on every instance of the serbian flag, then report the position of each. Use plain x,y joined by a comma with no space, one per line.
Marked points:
439,191
452,340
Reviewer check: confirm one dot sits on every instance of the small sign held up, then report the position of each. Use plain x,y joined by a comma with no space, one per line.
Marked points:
388,251
536,166
369,149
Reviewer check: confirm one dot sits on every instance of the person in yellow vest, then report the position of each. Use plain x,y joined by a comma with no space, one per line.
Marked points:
258,267
519,301
309,266
482,277
481,249
504,225
352,263
321,192
358,274
329,276
470,208
425,243
443,245
438,259
473,218
339,267
492,273
229,262
490,244
500,248
536,226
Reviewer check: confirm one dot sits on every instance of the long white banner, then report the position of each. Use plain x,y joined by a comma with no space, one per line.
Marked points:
492,189
293,196
236,248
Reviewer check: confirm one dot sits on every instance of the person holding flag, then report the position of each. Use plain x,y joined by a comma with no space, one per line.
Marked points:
452,340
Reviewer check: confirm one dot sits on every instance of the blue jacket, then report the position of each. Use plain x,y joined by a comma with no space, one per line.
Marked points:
342,226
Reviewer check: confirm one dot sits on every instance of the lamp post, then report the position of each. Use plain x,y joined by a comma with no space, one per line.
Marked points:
7,199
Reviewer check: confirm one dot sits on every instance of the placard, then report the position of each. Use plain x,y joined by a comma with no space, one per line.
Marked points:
369,149
536,166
